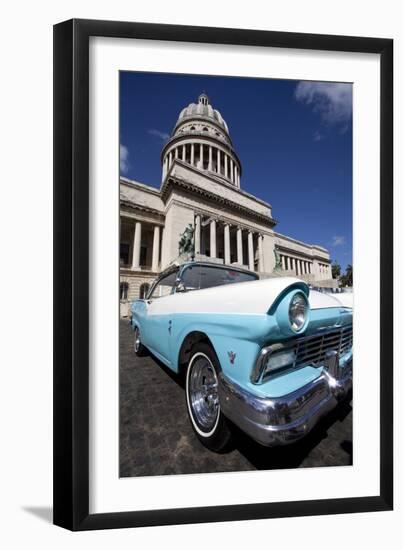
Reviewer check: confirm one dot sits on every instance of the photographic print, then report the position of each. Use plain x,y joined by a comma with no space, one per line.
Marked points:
236,274
203,271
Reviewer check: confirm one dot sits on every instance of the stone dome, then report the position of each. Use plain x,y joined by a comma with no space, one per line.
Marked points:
201,139
202,110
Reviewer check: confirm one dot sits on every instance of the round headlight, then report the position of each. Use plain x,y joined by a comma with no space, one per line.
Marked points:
298,311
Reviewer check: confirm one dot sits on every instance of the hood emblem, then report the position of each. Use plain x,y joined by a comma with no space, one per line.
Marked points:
231,356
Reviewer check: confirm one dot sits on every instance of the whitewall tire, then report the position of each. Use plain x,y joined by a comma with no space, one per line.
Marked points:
202,399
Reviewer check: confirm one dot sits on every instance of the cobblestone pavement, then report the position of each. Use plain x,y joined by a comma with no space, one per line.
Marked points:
156,437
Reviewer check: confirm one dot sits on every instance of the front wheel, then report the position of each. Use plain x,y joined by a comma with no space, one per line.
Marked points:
203,404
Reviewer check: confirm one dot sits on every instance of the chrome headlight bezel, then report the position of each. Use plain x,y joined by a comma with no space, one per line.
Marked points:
285,324
298,312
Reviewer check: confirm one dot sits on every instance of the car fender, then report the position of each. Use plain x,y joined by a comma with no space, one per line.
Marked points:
235,339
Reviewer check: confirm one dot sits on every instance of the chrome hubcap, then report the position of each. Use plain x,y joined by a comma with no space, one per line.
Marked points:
137,340
203,393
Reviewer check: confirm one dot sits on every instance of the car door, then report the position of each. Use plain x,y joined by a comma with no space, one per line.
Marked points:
157,320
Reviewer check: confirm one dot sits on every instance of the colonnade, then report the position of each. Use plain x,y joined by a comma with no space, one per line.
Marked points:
250,260
205,157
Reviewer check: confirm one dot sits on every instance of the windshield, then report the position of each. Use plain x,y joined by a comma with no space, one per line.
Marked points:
197,277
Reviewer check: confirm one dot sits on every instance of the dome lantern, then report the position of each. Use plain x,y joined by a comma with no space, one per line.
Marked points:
203,99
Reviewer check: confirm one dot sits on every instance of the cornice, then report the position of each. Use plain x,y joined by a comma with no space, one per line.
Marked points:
140,208
172,182
296,241
299,253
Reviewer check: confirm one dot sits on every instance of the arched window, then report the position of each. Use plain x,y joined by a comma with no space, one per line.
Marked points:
144,288
192,128
205,129
124,288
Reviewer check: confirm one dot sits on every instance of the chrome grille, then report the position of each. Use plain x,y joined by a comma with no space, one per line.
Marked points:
312,349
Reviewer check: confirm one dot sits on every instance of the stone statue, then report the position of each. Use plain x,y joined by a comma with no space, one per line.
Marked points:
186,243
278,266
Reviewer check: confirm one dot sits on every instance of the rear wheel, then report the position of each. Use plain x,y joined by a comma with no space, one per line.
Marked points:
202,399
139,349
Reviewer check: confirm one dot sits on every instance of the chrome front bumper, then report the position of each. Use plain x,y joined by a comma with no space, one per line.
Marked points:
283,420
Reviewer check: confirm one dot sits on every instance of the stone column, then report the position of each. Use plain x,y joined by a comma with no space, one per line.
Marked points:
260,252
225,165
136,246
210,158
176,152
239,245
218,161
192,154
197,233
236,175
156,248
251,254
201,161
170,160
315,270
213,239
164,168
283,262
231,170
184,152
227,244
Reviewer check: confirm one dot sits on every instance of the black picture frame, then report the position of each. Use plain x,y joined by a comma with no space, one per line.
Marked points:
71,274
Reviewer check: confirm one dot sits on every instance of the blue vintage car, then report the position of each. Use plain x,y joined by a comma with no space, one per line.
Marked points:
270,355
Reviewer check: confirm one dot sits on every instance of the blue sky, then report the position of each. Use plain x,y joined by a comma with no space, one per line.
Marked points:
294,140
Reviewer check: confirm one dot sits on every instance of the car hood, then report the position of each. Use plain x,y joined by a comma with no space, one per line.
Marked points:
320,300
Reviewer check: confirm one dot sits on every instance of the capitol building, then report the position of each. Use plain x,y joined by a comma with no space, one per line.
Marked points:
201,186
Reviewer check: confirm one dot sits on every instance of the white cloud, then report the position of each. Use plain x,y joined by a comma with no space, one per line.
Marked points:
124,159
338,240
158,133
317,136
333,101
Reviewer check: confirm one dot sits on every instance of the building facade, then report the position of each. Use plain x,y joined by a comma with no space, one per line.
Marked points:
201,186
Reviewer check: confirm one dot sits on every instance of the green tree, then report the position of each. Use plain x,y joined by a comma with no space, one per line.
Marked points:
347,278
336,270
349,275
